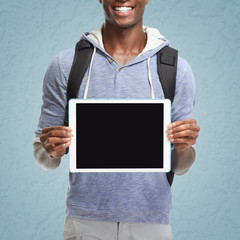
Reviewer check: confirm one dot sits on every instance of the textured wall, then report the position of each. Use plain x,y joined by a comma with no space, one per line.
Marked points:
207,34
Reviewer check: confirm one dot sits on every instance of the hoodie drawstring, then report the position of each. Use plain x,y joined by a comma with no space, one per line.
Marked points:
90,70
150,79
89,75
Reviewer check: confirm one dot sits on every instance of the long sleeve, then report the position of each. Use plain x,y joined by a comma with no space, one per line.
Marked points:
182,108
53,107
54,95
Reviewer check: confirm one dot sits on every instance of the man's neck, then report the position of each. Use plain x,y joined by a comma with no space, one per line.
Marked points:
124,41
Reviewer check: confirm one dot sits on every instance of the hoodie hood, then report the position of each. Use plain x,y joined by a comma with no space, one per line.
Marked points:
155,41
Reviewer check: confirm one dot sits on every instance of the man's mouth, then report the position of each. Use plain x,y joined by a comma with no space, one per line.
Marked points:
123,9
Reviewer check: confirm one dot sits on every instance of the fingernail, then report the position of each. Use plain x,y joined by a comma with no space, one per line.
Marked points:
171,140
170,136
67,139
169,126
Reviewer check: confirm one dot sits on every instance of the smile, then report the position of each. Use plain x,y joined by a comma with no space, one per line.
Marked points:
123,9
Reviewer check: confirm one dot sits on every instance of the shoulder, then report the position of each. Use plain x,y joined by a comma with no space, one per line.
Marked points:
58,70
63,60
60,66
184,78
182,67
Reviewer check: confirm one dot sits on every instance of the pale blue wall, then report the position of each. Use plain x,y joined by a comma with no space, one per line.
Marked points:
206,199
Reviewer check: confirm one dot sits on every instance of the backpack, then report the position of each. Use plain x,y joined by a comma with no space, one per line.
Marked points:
167,70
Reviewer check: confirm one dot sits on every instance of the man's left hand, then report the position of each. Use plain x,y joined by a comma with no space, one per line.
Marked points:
183,134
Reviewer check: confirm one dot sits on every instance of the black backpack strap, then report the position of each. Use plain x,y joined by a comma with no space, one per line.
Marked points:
167,70
82,58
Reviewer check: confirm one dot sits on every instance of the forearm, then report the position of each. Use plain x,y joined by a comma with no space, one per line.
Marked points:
181,161
43,159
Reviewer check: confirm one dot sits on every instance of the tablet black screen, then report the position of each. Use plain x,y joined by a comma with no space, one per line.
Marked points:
119,135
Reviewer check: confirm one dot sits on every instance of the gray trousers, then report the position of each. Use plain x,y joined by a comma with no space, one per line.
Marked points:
82,229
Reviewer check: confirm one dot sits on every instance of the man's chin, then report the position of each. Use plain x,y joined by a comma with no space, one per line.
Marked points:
126,26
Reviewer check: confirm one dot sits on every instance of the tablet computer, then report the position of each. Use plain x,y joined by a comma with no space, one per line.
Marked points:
119,135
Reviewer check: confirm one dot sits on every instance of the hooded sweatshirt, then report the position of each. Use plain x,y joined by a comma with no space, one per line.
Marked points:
116,197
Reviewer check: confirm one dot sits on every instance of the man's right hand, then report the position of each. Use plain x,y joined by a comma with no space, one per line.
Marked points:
56,140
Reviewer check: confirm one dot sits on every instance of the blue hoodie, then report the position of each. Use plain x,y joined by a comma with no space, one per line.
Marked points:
117,197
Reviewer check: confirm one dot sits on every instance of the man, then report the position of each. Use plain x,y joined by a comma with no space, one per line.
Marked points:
117,205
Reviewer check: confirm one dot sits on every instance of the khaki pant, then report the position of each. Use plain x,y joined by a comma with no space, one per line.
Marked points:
81,229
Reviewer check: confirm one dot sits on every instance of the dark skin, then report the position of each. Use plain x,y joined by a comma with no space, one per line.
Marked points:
124,54
123,36
124,40
56,140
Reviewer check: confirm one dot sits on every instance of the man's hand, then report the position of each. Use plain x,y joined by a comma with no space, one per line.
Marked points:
183,134
56,140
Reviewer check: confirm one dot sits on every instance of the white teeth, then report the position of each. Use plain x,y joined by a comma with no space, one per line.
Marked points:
123,9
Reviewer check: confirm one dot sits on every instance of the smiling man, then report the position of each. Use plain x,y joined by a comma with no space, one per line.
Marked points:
124,206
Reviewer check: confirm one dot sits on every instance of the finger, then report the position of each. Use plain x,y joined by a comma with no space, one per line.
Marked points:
179,128
52,137
62,146
185,140
48,147
56,140
179,140
48,129
186,133
53,149
181,122
59,134
54,153
55,134
184,127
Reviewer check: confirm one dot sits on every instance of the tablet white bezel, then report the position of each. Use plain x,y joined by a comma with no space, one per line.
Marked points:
167,144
